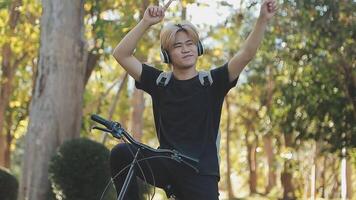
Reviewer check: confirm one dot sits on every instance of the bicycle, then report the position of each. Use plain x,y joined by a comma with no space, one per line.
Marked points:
116,130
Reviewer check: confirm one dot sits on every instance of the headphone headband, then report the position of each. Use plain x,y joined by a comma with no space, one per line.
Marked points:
180,26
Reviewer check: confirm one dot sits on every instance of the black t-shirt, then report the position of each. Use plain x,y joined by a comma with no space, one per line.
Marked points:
187,114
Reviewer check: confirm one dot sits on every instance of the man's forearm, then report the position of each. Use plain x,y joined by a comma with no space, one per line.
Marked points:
254,39
249,48
128,44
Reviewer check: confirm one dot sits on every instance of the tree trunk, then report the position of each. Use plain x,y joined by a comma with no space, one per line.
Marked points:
114,103
9,138
323,177
228,162
137,97
267,139
184,12
314,170
137,114
90,65
286,176
313,182
6,89
349,179
3,145
56,106
286,179
306,186
8,68
346,176
335,186
252,163
272,177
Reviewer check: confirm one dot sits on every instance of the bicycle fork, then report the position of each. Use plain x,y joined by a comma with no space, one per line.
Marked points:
128,177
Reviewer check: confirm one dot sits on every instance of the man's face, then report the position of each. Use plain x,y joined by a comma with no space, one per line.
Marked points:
184,53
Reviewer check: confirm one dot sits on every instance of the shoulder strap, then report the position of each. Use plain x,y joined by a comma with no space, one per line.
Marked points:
205,78
163,79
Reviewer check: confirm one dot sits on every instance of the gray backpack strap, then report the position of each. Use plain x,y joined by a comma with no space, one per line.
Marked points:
217,143
205,78
163,79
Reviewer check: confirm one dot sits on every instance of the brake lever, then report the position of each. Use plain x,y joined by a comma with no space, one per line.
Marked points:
178,157
102,129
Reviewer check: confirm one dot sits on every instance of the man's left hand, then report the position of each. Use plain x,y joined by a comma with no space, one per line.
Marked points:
268,9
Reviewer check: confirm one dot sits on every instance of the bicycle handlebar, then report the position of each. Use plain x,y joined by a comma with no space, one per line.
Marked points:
118,132
108,124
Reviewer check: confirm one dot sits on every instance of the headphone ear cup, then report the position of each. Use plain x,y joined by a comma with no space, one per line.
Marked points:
200,48
165,56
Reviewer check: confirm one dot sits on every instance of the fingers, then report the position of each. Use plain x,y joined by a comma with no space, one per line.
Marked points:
271,5
150,11
165,7
156,11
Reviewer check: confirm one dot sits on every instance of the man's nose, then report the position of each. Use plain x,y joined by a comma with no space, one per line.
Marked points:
185,49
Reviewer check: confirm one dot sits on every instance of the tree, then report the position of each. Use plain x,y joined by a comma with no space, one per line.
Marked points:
8,70
228,146
315,80
18,55
56,106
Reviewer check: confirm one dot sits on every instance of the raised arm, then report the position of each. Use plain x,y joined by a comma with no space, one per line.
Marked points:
124,51
253,41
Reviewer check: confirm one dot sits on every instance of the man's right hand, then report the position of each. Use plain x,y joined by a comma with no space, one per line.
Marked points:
155,14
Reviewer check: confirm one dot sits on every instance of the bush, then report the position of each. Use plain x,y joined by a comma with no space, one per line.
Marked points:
8,185
80,170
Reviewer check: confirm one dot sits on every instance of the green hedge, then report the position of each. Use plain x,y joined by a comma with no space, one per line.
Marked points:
80,171
8,185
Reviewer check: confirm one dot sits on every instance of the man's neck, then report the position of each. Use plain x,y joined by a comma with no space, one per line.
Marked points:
184,73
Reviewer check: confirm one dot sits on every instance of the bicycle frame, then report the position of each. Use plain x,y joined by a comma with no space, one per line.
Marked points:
115,129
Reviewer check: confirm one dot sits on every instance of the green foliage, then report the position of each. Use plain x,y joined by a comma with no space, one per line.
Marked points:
4,4
306,52
8,185
80,170
315,90
24,43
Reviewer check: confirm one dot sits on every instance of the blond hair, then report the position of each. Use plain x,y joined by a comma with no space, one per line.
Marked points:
168,33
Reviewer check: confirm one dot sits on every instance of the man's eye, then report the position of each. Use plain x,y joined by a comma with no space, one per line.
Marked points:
190,43
177,46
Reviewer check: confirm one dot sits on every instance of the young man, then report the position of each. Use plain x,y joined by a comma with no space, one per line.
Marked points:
186,103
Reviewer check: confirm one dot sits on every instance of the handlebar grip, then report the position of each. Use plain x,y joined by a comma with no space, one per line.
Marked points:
108,124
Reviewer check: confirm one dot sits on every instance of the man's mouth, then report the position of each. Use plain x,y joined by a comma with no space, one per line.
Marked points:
187,56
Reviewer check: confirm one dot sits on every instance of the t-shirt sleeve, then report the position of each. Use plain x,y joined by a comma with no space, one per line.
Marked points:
221,84
148,78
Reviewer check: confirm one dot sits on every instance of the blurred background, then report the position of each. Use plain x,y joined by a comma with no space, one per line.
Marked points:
287,130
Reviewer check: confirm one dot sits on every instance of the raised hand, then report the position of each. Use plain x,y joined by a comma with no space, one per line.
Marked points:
155,14
268,9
